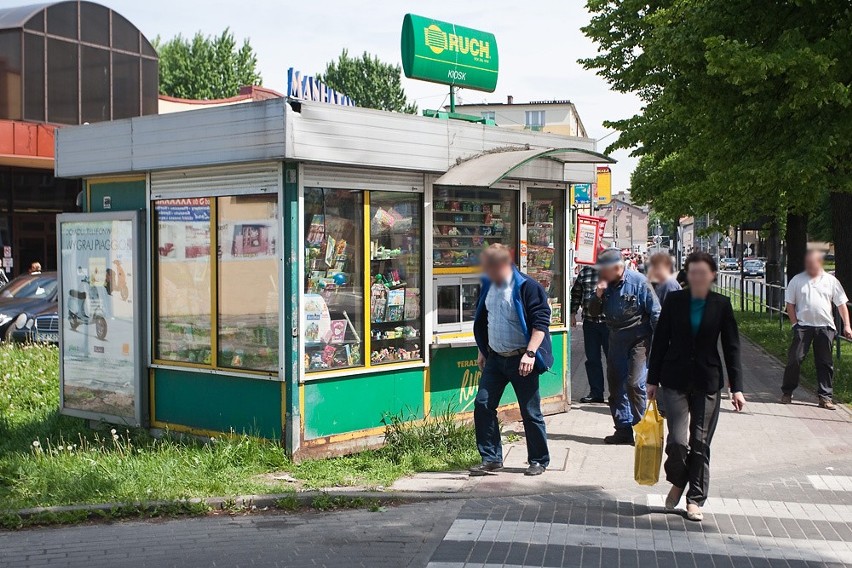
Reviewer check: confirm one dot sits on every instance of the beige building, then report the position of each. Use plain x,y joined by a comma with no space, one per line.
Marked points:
556,117
247,95
626,223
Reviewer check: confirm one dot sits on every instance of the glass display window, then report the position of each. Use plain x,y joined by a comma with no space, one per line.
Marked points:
396,277
248,261
466,221
546,245
455,300
183,281
334,303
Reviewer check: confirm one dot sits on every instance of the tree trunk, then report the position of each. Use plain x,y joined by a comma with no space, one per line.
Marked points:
841,205
797,243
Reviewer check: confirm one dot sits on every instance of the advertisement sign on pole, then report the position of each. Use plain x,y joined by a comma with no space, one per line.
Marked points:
582,193
603,195
589,235
101,316
441,52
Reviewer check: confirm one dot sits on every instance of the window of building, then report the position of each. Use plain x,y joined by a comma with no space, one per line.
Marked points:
62,19
489,115
94,23
62,82
34,77
125,86
125,36
546,245
467,221
10,75
534,119
95,84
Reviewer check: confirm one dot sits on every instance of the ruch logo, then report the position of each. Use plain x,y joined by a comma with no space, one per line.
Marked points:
439,41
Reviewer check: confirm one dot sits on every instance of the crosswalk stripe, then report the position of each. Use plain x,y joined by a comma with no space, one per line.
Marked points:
560,534
773,509
831,482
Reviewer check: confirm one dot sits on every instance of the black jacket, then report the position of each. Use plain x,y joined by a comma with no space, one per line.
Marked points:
685,362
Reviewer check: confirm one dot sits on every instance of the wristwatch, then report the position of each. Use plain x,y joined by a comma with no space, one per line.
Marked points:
531,354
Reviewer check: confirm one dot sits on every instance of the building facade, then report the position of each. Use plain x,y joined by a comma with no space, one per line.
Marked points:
554,117
626,223
64,63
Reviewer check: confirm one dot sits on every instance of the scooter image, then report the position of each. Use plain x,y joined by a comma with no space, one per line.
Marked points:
86,308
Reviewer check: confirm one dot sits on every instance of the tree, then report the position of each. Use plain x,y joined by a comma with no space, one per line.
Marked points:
206,67
746,106
369,82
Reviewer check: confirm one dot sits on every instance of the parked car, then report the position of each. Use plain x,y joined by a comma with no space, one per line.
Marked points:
23,298
754,269
42,327
729,264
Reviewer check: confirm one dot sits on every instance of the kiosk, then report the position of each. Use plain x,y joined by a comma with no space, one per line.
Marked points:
311,269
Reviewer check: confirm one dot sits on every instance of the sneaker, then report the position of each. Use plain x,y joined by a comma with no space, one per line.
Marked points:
693,513
622,437
485,468
535,469
786,398
589,399
673,498
827,404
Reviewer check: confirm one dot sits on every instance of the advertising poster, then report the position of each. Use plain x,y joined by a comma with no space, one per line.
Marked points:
582,193
588,238
98,339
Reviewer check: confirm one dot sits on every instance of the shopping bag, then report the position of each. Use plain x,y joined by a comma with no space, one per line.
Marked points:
648,434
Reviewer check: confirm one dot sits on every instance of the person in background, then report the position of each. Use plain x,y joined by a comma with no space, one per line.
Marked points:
685,360
810,296
662,275
595,332
512,332
631,310
35,267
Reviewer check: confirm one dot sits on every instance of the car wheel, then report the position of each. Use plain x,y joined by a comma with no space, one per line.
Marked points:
100,327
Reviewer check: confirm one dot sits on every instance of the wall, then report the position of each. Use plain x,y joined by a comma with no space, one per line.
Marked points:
559,118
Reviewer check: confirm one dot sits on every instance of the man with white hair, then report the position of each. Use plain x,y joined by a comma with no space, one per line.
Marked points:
631,310
810,298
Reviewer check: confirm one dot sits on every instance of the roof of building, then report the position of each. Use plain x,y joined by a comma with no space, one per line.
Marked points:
16,17
247,93
530,103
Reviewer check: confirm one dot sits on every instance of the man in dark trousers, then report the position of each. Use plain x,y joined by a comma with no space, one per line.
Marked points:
625,298
595,332
811,297
512,331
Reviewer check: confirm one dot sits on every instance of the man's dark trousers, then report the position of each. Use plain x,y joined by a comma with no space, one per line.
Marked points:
497,374
803,337
595,341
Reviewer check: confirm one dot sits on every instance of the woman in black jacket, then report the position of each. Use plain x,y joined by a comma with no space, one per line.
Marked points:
685,360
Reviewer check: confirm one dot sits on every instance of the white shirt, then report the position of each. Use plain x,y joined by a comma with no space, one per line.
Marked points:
504,327
814,298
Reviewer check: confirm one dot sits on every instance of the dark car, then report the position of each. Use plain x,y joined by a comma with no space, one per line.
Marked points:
23,298
42,327
754,269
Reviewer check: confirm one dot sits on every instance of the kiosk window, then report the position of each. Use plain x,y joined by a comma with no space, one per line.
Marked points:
248,282
467,221
456,299
333,312
396,277
183,265
546,245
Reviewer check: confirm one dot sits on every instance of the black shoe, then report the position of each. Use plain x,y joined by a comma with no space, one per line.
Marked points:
535,469
588,399
485,468
622,437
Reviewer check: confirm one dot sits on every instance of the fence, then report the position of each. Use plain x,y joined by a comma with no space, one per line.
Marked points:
759,297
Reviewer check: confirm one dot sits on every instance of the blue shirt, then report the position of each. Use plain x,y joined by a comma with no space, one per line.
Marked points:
505,333
663,288
696,313
629,305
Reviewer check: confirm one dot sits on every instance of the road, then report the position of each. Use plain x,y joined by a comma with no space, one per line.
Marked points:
781,498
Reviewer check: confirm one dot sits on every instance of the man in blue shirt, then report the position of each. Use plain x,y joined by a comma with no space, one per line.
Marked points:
631,310
512,331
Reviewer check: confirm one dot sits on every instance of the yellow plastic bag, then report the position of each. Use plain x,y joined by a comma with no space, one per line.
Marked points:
649,446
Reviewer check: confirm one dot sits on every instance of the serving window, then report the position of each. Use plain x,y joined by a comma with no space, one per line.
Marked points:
466,221
217,270
546,245
363,279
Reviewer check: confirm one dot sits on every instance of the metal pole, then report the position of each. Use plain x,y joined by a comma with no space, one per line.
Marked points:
452,99
742,270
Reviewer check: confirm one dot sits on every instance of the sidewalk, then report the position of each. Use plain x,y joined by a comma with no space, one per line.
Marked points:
767,436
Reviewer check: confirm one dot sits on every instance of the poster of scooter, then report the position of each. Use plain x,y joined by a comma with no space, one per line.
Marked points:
100,316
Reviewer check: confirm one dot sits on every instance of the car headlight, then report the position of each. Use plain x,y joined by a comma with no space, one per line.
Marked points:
21,321
4,319
30,323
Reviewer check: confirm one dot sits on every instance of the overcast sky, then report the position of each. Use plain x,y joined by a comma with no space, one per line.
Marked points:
539,42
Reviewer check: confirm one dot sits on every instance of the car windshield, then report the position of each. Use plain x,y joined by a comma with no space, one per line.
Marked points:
753,264
30,286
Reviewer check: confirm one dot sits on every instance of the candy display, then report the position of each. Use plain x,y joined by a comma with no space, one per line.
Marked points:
468,221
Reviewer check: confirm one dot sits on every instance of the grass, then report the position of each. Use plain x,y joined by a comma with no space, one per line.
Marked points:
775,339
48,459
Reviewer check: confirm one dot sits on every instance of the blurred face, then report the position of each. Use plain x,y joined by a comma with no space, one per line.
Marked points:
659,272
700,277
496,270
813,263
611,273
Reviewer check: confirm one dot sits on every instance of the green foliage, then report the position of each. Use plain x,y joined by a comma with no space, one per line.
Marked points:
746,105
206,67
369,82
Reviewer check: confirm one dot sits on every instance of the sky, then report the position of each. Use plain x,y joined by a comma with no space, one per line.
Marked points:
539,45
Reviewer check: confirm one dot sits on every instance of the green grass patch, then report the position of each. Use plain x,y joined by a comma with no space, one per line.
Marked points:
48,459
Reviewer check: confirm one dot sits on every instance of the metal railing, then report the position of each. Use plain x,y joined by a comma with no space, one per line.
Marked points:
758,296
